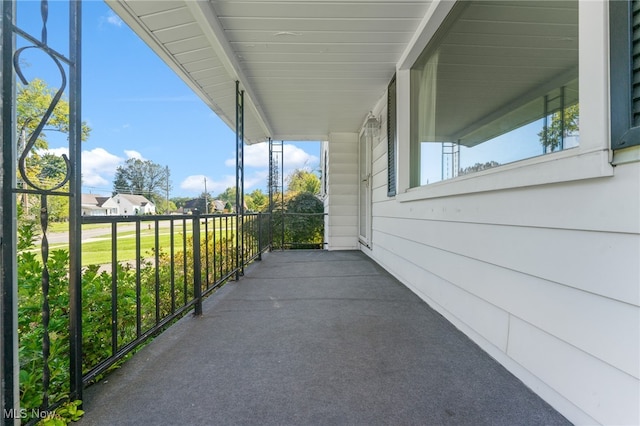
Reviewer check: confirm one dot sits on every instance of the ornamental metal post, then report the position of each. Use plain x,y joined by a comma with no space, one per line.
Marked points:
239,181
270,194
32,128
75,202
9,306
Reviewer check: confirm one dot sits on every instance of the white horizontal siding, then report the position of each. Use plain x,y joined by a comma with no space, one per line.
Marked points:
486,319
489,261
341,202
605,393
603,327
569,257
349,221
603,205
545,278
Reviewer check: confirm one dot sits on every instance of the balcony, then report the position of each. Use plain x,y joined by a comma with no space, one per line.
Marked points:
313,337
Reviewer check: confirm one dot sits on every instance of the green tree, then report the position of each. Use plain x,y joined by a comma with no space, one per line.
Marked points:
32,101
229,195
301,180
51,170
165,207
303,221
179,201
44,170
142,177
259,200
478,167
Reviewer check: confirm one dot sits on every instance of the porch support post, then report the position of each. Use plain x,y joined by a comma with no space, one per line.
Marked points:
239,181
75,201
276,187
270,194
8,277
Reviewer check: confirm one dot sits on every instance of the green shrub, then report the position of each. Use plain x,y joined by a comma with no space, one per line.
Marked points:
96,310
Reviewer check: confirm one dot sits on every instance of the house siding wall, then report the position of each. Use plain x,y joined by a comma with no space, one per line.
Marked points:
545,278
341,201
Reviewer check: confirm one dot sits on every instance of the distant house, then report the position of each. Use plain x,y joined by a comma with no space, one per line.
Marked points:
190,205
93,205
198,203
129,205
218,205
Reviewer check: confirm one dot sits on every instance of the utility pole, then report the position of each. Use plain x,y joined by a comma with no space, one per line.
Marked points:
206,201
167,212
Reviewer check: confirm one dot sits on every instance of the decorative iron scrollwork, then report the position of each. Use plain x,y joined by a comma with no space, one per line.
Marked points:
45,118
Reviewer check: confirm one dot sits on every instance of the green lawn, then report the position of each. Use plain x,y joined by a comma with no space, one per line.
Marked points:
64,226
97,249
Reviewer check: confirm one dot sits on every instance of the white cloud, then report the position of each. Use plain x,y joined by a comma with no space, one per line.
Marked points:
195,183
133,154
98,165
297,158
216,187
113,19
258,156
257,179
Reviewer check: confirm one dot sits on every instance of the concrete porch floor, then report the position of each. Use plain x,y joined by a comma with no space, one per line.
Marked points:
314,338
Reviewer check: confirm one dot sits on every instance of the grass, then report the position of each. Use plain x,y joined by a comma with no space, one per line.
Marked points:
98,251
56,227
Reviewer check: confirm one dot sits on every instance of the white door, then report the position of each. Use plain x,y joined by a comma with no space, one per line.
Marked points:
364,225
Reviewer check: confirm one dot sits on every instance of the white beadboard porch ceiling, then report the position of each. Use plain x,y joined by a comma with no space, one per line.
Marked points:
308,67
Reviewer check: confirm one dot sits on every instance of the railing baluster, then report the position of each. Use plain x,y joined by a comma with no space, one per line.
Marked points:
197,266
138,282
256,230
206,252
114,288
224,262
259,236
157,268
184,262
216,222
172,267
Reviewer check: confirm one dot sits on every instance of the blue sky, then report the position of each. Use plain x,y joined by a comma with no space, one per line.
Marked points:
138,108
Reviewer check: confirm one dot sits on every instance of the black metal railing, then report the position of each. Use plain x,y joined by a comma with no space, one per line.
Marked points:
178,261
141,273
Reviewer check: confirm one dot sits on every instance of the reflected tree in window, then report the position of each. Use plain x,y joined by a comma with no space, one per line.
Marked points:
562,125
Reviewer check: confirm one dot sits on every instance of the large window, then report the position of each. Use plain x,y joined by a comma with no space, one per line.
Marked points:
497,83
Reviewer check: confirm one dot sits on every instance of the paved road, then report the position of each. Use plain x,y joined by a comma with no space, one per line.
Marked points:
63,237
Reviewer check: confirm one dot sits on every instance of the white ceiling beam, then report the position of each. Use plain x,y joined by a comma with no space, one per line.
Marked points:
206,18
435,16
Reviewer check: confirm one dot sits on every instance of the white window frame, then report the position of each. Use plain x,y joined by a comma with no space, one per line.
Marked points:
591,159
